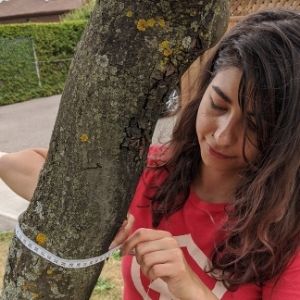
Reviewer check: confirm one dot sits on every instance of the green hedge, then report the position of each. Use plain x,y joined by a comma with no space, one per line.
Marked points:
82,13
52,45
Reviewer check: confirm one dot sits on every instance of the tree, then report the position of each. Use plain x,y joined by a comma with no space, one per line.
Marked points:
131,55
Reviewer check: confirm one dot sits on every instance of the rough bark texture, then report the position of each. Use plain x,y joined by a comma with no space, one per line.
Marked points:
131,55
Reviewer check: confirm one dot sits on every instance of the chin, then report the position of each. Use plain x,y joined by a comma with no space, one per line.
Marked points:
219,165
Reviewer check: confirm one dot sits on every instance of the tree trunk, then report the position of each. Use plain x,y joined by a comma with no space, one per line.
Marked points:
131,55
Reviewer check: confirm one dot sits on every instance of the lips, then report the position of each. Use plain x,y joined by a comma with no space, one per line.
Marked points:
219,155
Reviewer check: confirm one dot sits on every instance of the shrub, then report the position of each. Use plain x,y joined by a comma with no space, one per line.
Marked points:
82,13
35,58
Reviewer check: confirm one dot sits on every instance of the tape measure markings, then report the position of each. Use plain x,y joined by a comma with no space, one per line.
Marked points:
62,262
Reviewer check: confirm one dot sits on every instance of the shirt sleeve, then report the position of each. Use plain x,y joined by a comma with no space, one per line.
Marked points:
287,286
140,206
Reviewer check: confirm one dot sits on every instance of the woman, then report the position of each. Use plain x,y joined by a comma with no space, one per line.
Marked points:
217,210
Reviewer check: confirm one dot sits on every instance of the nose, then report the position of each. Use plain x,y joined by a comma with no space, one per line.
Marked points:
227,132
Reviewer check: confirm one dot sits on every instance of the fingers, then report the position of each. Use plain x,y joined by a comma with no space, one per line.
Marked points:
143,235
151,246
123,232
162,271
153,249
159,256
153,263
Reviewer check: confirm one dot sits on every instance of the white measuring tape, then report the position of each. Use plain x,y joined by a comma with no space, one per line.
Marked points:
65,263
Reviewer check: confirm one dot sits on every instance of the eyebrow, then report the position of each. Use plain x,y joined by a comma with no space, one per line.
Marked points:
221,94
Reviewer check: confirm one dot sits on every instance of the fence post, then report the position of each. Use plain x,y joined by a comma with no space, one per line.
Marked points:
36,64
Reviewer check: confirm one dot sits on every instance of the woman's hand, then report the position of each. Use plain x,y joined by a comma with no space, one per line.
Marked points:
159,255
123,232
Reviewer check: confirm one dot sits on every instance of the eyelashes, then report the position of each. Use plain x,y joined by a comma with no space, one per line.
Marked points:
251,124
213,105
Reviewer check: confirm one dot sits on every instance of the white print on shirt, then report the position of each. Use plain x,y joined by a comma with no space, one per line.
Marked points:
160,286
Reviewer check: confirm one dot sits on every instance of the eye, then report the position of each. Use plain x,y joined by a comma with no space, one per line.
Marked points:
215,106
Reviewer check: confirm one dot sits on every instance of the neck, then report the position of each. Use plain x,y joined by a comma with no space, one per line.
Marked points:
215,186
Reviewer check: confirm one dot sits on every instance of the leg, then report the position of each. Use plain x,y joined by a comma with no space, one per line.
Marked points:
20,170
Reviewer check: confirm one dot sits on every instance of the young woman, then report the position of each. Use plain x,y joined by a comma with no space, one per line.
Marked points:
217,209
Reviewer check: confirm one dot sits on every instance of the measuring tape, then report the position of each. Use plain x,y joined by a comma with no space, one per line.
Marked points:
65,263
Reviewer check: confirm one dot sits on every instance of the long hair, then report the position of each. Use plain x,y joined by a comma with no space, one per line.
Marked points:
262,231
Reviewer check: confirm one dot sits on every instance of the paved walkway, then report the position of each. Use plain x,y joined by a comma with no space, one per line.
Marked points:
23,125
11,205
29,124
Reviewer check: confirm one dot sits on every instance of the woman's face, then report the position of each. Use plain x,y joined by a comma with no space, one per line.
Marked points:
220,124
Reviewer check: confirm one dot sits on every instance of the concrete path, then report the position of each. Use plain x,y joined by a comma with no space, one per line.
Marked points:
29,124
23,125
11,205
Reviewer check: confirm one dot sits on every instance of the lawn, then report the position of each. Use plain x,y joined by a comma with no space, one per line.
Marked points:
108,287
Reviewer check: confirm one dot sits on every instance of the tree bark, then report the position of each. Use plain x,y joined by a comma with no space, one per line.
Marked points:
131,55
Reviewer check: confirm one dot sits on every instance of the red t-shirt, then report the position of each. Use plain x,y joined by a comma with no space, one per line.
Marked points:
197,228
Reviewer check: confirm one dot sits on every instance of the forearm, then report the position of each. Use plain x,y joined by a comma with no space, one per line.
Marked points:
207,294
201,295
199,291
20,170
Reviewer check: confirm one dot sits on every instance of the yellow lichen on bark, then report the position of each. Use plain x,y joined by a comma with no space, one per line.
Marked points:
161,22
151,22
165,49
129,13
167,52
84,138
50,271
35,296
141,25
41,239
162,65
144,24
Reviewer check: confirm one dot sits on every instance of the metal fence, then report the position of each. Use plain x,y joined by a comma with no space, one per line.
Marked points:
26,73
17,58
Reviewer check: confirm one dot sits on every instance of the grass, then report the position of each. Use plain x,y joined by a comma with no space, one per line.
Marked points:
108,287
